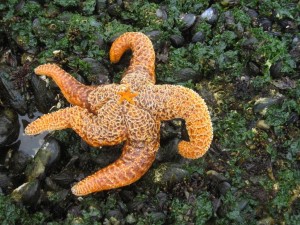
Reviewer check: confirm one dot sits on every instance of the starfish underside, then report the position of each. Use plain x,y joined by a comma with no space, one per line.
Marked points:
130,111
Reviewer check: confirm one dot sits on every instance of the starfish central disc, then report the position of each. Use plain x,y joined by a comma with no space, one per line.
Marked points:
127,95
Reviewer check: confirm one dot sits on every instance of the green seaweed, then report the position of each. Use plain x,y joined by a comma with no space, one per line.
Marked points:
11,213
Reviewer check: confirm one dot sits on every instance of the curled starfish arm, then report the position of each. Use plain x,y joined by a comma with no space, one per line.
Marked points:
75,92
168,102
143,58
136,159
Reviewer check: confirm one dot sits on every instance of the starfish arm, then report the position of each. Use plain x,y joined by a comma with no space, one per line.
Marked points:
75,92
53,121
96,130
136,159
143,58
168,102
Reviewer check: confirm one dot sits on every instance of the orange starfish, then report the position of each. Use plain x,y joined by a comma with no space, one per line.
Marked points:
131,111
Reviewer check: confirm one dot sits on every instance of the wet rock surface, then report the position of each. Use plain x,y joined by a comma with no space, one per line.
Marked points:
9,126
45,157
43,96
100,74
241,57
10,94
5,181
27,193
18,162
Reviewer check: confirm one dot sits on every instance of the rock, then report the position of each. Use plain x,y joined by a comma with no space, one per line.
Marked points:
161,13
215,176
20,5
294,118
155,36
230,3
9,93
28,193
198,37
18,162
101,6
216,203
5,181
115,213
253,69
99,73
250,44
284,83
8,58
261,104
276,69
266,221
296,40
51,185
239,30
48,154
114,9
158,216
288,25
177,40
229,20
168,174
105,156
210,15
65,177
127,195
242,204
263,125
112,221
30,144
44,97
265,23
37,29
186,74
187,20
169,151
170,129
224,187
253,15
100,40
295,52
130,219
9,126
162,197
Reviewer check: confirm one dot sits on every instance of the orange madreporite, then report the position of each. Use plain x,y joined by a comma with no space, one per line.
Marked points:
129,112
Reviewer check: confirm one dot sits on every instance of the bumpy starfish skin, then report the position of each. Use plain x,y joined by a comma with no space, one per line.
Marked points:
131,111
